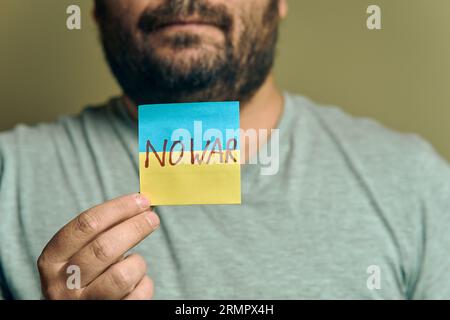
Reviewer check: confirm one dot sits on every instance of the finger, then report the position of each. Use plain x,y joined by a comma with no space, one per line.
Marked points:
85,227
104,250
143,291
118,280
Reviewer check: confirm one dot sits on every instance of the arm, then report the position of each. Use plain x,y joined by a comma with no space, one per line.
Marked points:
4,294
3,291
433,277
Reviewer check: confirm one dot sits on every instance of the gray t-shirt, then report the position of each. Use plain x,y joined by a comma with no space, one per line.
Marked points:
355,211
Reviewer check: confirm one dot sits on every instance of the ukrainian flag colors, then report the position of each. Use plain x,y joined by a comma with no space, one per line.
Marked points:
189,153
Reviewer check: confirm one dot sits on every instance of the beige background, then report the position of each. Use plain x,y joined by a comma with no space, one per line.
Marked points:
399,75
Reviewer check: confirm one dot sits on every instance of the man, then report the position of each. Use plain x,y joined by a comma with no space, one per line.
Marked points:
355,210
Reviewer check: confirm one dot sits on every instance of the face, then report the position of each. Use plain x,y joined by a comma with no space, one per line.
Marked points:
189,50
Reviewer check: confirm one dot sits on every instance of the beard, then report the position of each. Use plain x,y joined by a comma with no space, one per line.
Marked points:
216,72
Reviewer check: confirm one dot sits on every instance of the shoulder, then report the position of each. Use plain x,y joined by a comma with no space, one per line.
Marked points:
369,145
41,137
405,178
24,142
29,153
364,135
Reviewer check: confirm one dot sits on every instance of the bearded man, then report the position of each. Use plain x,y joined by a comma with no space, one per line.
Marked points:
355,210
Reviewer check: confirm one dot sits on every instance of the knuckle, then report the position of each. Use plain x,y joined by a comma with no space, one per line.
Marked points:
140,261
101,250
86,223
122,278
42,262
139,264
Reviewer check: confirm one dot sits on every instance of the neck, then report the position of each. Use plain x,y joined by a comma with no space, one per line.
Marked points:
262,112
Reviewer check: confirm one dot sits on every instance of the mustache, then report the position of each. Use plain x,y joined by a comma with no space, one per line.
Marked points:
178,11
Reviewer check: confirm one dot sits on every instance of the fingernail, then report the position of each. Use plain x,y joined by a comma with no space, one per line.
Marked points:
142,201
153,219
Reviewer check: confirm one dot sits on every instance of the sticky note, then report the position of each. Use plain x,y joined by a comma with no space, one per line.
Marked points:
189,153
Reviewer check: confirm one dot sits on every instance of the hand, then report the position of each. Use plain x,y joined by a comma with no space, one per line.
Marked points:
96,242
